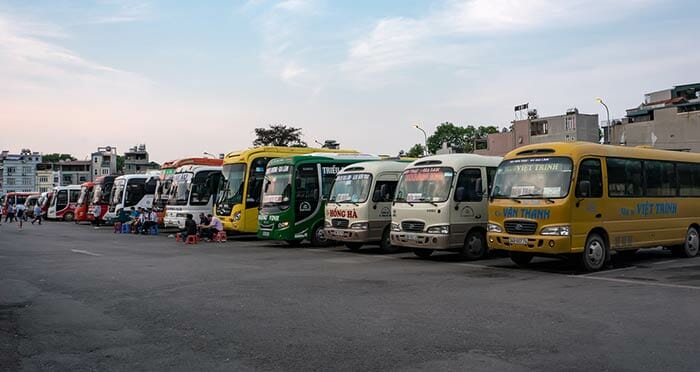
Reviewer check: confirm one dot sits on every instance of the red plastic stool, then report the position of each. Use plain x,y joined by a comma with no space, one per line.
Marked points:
178,237
191,239
220,237
117,227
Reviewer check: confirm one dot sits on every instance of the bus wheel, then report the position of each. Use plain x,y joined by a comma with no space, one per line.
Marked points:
474,246
521,259
68,217
294,243
691,245
594,254
422,252
318,237
385,243
353,246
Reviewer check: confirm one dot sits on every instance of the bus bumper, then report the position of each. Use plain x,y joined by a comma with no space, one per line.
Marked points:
544,244
347,235
420,240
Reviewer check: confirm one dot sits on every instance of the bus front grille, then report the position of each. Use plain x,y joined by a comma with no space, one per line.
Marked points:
414,226
519,227
340,223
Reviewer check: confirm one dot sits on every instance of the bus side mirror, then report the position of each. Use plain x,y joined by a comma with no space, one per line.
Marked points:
459,194
584,189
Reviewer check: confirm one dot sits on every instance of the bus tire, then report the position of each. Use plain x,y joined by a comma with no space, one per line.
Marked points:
385,244
294,243
474,246
353,246
68,217
422,252
692,243
521,259
594,253
318,237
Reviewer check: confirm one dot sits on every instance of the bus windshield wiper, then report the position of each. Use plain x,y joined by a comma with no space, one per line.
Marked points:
548,200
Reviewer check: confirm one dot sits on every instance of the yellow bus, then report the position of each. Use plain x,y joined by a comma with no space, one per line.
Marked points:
585,199
243,175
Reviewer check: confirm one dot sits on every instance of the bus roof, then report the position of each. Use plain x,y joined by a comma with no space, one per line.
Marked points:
326,157
107,178
456,161
68,187
87,184
197,168
276,151
579,149
172,164
375,167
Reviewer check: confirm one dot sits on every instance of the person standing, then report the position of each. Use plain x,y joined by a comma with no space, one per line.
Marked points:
96,212
20,215
37,214
10,213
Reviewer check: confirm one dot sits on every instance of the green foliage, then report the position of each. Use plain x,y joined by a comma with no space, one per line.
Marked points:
459,137
416,151
56,157
120,164
279,135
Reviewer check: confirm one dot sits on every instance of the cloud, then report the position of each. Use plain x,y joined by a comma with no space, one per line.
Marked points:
395,42
295,5
126,11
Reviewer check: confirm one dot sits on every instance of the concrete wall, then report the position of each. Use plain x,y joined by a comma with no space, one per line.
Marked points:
672,130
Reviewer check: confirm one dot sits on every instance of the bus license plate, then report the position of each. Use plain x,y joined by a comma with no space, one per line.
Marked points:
265,233
522,241
337,233
411,237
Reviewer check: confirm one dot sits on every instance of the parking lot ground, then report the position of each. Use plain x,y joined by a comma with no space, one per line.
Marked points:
76,298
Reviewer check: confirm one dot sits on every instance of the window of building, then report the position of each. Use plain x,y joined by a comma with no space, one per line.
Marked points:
104,172
26,170
82,179
55,179
44,179
538,128
624,177
67,178
570,123
10,181
26,181
11,170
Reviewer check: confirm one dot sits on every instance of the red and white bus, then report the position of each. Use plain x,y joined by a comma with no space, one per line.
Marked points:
44,202
63,203
15,198
100,196
81,208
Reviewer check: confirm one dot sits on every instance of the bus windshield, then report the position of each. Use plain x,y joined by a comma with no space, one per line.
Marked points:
533,178
83,195
118,192
277,189
135,191
351,188
231,187
160,198
200,189
425,185
180,189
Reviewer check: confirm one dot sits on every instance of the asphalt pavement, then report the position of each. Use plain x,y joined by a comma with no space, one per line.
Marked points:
74,298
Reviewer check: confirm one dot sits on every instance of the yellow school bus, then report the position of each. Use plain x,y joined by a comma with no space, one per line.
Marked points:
585,199
238,193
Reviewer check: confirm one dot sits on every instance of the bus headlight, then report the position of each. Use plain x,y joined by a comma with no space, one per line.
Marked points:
395,226
282,225
237,216
439,230
492,227
360,226
563,230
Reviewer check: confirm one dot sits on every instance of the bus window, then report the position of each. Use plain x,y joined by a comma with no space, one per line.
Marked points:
490,174
61,200
660,178
384,191
469,186
689,179
624,177
590,173
306,193
74,196
255,182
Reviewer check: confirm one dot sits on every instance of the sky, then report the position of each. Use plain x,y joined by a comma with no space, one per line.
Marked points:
187,77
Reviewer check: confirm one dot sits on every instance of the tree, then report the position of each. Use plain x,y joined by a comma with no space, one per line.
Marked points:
458,137
279,135
120,163
56,157
416,151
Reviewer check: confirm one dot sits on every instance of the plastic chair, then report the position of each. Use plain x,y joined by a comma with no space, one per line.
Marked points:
191,239
220,237
117,227
153,230
126,228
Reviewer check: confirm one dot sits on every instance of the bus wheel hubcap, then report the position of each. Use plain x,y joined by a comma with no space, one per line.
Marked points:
692,241
320,235
475,245
595,252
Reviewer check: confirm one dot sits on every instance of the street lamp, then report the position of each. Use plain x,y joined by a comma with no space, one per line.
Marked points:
425,149
607,127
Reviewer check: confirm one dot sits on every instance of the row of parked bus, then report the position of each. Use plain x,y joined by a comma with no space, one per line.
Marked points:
556,199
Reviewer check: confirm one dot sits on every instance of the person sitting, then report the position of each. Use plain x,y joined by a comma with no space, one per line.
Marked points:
137,222
150,220
213,228
203,220
190,227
